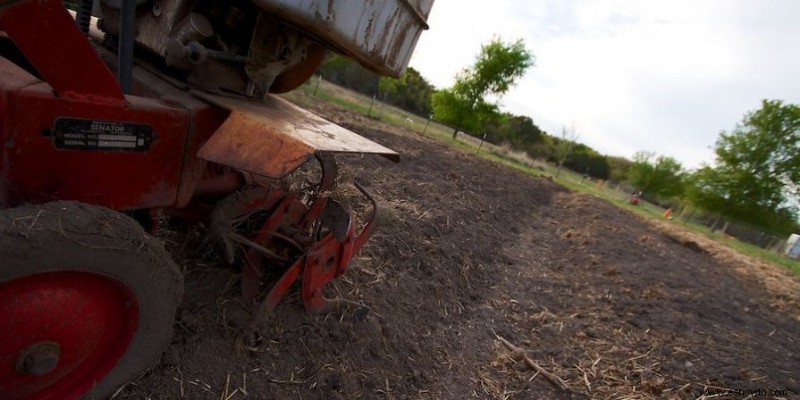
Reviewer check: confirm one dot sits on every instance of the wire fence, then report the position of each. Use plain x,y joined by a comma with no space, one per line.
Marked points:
614,191
712,221
622,192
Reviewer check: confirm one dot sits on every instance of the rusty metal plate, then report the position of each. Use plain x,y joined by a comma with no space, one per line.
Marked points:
274,137
380,34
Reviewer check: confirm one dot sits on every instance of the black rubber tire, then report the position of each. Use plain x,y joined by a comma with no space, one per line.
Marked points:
72,236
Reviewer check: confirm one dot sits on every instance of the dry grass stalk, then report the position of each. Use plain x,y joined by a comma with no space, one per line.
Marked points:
552,378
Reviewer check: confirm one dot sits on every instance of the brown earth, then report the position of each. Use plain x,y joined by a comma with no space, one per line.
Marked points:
468,251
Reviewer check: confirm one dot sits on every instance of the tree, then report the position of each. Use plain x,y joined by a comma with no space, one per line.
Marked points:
619,167
757,171
520,132
345,72
497,68
564,147
656,175
543,150
410,92
585,160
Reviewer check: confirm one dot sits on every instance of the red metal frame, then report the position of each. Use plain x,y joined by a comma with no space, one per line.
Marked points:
47,34
287,210
35,170
80,85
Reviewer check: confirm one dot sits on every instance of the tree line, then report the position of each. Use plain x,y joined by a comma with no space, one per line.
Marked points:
465,106
755,177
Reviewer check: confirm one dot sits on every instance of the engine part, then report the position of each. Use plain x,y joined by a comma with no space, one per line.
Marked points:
183,49
84,15
275,49
252,48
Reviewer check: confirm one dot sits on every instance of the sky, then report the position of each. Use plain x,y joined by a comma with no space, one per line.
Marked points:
626,76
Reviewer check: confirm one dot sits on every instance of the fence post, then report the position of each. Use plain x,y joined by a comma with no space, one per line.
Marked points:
683,212
430,117
725,227
481,145
316,87
369,112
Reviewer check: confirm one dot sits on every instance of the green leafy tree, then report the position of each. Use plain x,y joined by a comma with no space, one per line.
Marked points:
585,160
411,92
345,72
656,175
563,147
520,132
757,171
619,168
497,68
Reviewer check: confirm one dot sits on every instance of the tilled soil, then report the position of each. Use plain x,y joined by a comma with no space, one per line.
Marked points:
468,252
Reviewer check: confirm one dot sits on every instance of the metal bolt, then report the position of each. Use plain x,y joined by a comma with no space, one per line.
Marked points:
39,358
157,10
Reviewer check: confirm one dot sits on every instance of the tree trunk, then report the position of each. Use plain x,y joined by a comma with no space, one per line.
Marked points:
558,169
683,212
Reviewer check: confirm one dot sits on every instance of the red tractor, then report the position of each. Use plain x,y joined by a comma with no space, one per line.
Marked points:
165,107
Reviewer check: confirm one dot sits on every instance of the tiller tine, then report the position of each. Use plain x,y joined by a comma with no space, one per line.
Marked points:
327,259
316,241
305,235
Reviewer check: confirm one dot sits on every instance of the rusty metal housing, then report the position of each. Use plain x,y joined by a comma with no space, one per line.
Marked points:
272,46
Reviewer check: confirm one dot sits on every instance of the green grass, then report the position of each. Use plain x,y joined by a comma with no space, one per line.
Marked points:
764,254
365,105
745,248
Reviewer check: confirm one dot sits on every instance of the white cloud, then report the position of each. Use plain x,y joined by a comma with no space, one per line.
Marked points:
645,75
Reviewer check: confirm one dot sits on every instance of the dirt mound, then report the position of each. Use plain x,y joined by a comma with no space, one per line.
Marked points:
468,251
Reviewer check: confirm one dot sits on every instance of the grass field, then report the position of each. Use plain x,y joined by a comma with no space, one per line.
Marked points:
371,107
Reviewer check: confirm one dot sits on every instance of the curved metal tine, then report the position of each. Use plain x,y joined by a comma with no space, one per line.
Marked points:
337,219
327,182
369,226
329,171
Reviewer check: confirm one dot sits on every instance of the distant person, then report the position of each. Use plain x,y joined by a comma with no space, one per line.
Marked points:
636,197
